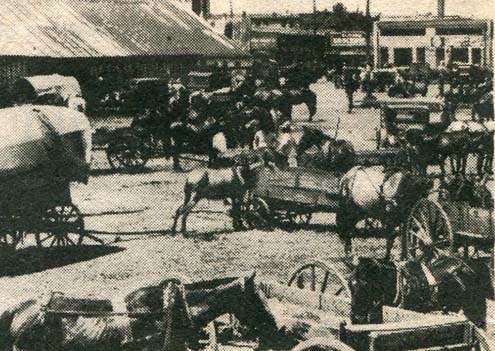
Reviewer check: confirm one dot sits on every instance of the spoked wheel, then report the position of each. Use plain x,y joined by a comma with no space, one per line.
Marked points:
299,218
62,226
128,153
428,229
257,213
321,277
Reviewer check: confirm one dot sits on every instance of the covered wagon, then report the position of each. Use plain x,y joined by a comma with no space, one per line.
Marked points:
52,89
42,150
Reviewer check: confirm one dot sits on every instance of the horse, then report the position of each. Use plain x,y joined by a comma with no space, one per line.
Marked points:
446,284
169,315
479,142
339,154
374,192
293,96
221,183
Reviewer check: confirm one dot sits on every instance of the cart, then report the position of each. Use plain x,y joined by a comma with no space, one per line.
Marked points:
131,148
399,115
292,195
320,313
51,148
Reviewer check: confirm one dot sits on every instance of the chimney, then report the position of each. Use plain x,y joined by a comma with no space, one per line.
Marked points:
441,8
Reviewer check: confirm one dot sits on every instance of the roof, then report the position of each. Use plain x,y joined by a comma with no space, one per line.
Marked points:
448,22
102,28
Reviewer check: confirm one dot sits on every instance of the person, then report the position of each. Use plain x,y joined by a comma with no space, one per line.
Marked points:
443,72
351,84
287,144
218,151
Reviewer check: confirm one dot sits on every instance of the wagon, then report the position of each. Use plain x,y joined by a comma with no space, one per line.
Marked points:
131,148
42,150
319,312
292,195
399,115
52,89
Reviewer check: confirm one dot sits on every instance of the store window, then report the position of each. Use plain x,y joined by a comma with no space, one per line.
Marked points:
383,56
476,56
420,55
460,55
402,57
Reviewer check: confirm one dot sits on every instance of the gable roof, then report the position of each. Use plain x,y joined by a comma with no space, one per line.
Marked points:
103,28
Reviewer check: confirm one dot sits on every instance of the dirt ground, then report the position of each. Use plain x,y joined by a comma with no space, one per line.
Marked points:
137,210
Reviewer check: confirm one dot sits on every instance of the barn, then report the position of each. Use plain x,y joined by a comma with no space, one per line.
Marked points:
106,39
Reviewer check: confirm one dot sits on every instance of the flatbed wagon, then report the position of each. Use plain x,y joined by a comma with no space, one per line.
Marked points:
323,321
295,194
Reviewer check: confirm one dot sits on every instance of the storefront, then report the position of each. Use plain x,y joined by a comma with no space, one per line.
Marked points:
431,40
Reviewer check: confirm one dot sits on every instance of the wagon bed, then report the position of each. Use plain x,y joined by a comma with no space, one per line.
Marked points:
294,194
325,319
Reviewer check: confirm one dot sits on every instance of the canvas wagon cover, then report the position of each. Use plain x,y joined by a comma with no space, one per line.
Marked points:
27,130
30,89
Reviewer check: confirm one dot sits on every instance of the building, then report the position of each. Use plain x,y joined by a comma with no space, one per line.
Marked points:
432,39
111,38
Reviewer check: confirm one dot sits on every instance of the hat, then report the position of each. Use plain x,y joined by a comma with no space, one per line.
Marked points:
285,126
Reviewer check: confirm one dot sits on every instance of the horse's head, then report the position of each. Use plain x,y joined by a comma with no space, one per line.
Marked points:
311,137
253,312
368,283
401,190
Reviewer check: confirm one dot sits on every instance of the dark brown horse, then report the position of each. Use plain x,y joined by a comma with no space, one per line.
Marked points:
167,316
373,192
339,155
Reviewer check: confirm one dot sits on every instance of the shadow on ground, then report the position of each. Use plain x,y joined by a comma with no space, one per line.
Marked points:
33,259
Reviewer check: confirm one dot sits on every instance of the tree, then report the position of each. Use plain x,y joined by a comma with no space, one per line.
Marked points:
339,10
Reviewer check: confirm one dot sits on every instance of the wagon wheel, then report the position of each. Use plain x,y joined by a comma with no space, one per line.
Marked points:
257,213
298,217
128,153
316,275
62,225
428,227
322,344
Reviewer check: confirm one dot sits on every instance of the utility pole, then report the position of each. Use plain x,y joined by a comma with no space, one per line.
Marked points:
231,9
315,26
368,32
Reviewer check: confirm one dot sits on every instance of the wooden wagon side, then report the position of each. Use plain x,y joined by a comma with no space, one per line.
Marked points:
323,318
294,194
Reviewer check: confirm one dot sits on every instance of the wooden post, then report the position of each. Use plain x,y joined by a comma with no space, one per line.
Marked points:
490,304
174,339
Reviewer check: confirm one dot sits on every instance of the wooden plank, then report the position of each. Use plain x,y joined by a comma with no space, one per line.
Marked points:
457,347
419,338
469,220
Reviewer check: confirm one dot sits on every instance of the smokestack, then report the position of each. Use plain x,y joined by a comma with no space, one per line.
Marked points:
441,8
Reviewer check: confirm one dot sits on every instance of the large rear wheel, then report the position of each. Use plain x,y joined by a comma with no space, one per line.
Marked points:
62,225
128,153
428,231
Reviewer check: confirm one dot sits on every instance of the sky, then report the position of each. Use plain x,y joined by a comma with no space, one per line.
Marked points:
475,8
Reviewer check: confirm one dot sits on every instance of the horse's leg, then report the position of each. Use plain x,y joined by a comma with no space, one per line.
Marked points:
180,210
175,155
344,227
188,208
311,104
389,232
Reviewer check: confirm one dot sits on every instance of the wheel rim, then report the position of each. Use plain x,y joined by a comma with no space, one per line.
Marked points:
428,227
257,213
62,226
127,156
320,277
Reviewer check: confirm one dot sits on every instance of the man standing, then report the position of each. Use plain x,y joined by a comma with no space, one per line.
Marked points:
351,84
286,143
